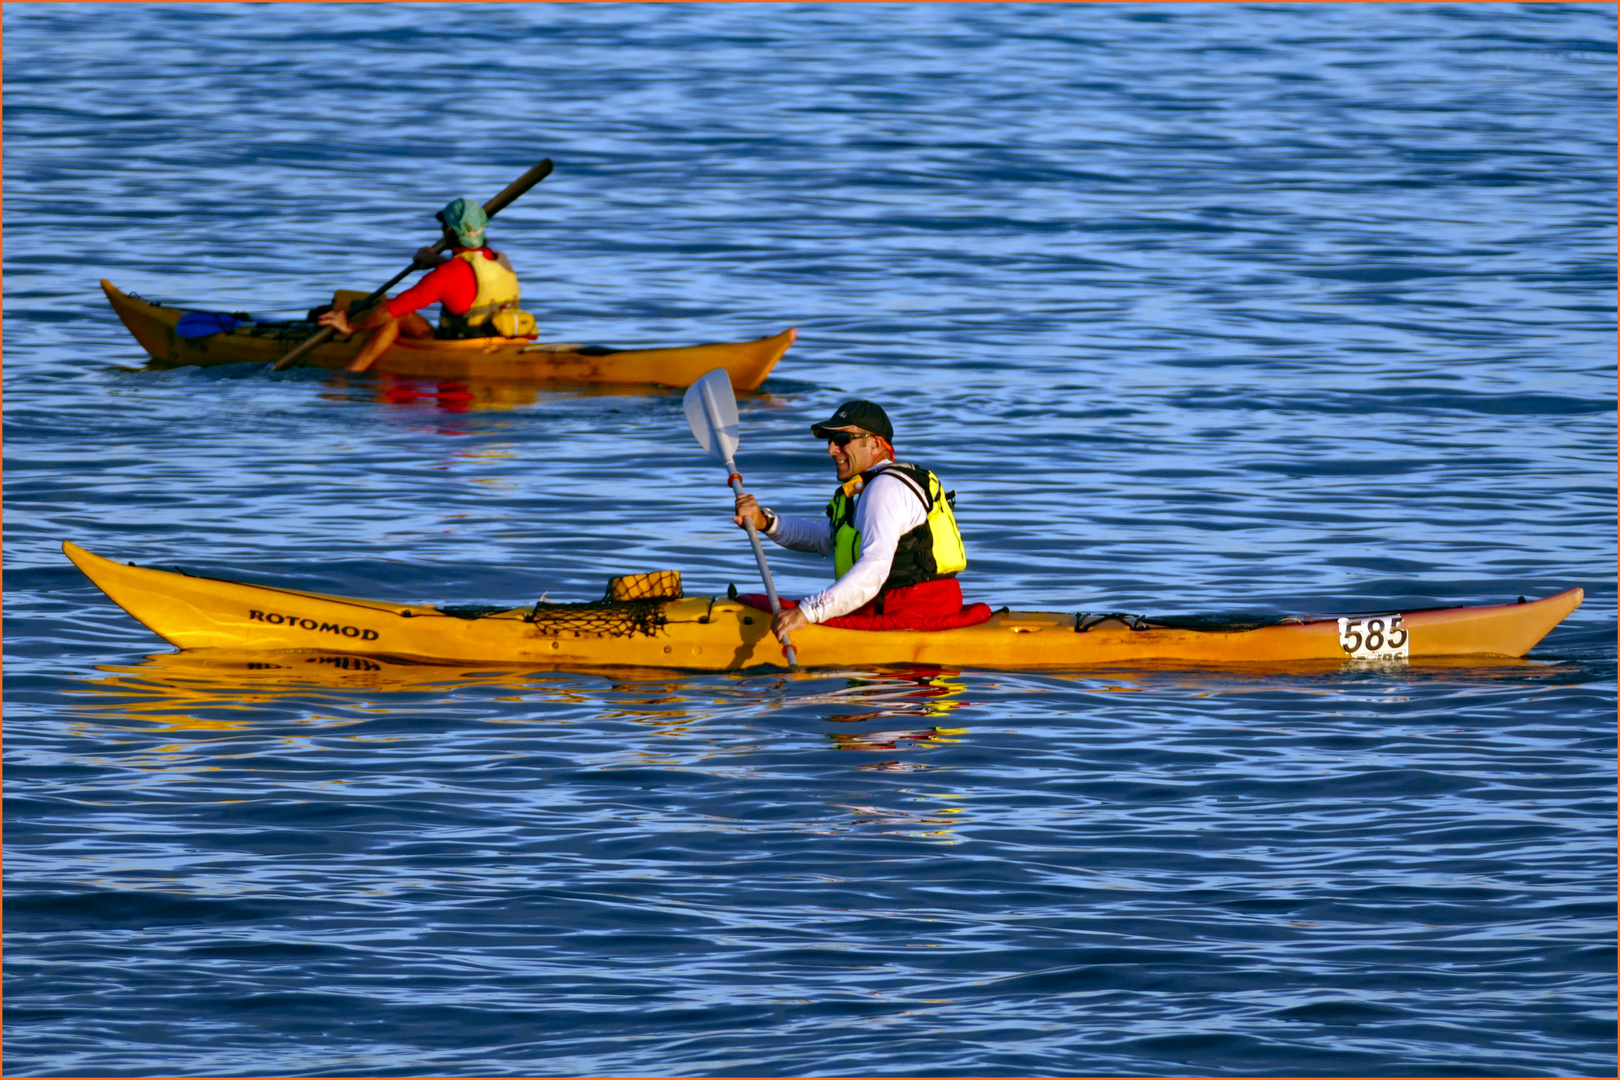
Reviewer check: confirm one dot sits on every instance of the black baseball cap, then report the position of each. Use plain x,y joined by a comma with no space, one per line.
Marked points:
866,415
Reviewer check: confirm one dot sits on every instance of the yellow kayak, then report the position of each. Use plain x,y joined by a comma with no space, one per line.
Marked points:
718,634
482,359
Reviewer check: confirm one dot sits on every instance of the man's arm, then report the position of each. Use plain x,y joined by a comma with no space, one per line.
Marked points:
431,289
799,534
383,318
887,511
385,329
375,316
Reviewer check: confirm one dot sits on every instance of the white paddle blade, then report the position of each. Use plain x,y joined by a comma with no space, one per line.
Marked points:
711,409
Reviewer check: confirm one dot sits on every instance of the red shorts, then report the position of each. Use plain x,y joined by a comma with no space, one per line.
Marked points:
928,605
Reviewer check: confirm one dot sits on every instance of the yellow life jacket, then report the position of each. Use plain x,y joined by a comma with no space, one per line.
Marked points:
494,307
931,551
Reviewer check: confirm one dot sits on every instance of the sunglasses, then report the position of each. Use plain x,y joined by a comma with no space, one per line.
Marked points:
844,438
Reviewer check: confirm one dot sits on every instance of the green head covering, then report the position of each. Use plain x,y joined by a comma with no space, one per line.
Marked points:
467,220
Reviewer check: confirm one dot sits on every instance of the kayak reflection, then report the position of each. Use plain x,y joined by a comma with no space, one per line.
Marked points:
897,740
474,395
209,688
224,688
454,396
892,692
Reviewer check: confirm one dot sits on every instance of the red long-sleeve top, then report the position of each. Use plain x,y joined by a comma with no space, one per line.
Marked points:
452,284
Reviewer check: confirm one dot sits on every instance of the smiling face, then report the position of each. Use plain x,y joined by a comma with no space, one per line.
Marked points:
861,452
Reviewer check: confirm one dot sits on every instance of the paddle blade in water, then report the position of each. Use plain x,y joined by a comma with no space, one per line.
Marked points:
711,409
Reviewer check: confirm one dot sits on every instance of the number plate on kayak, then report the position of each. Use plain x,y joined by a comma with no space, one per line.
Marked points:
1380,637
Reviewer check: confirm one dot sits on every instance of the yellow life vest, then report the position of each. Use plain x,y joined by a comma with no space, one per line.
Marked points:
931,551
494,307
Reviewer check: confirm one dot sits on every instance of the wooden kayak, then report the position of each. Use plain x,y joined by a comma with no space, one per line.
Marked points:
481,359
717,634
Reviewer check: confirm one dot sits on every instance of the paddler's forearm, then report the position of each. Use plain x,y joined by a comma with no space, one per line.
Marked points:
798,534
855,589
375,316
384,331
801,534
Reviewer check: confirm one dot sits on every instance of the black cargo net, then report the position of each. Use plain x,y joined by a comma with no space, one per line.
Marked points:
599,618
633,604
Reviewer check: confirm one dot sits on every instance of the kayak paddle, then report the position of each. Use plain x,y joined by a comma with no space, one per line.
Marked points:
711,409
513,190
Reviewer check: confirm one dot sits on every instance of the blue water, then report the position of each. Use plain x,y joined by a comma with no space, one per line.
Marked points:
1201,309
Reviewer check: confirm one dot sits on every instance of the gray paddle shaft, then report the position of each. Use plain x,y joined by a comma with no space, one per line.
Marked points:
711,410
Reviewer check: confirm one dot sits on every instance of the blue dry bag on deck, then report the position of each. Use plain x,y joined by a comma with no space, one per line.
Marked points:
202,323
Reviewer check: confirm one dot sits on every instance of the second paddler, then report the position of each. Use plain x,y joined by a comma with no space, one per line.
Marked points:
475,287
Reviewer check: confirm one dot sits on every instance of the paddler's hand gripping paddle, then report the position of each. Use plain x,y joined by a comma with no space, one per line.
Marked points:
711,409
491,208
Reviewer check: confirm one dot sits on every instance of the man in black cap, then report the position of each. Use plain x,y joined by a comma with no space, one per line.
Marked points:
889,528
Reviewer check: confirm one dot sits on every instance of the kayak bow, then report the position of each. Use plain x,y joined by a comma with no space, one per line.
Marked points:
703,633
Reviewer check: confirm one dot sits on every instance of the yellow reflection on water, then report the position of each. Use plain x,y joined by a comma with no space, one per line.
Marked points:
176,690
190,689
215,690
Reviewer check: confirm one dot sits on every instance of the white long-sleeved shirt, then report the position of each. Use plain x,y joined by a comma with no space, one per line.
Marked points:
885,511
